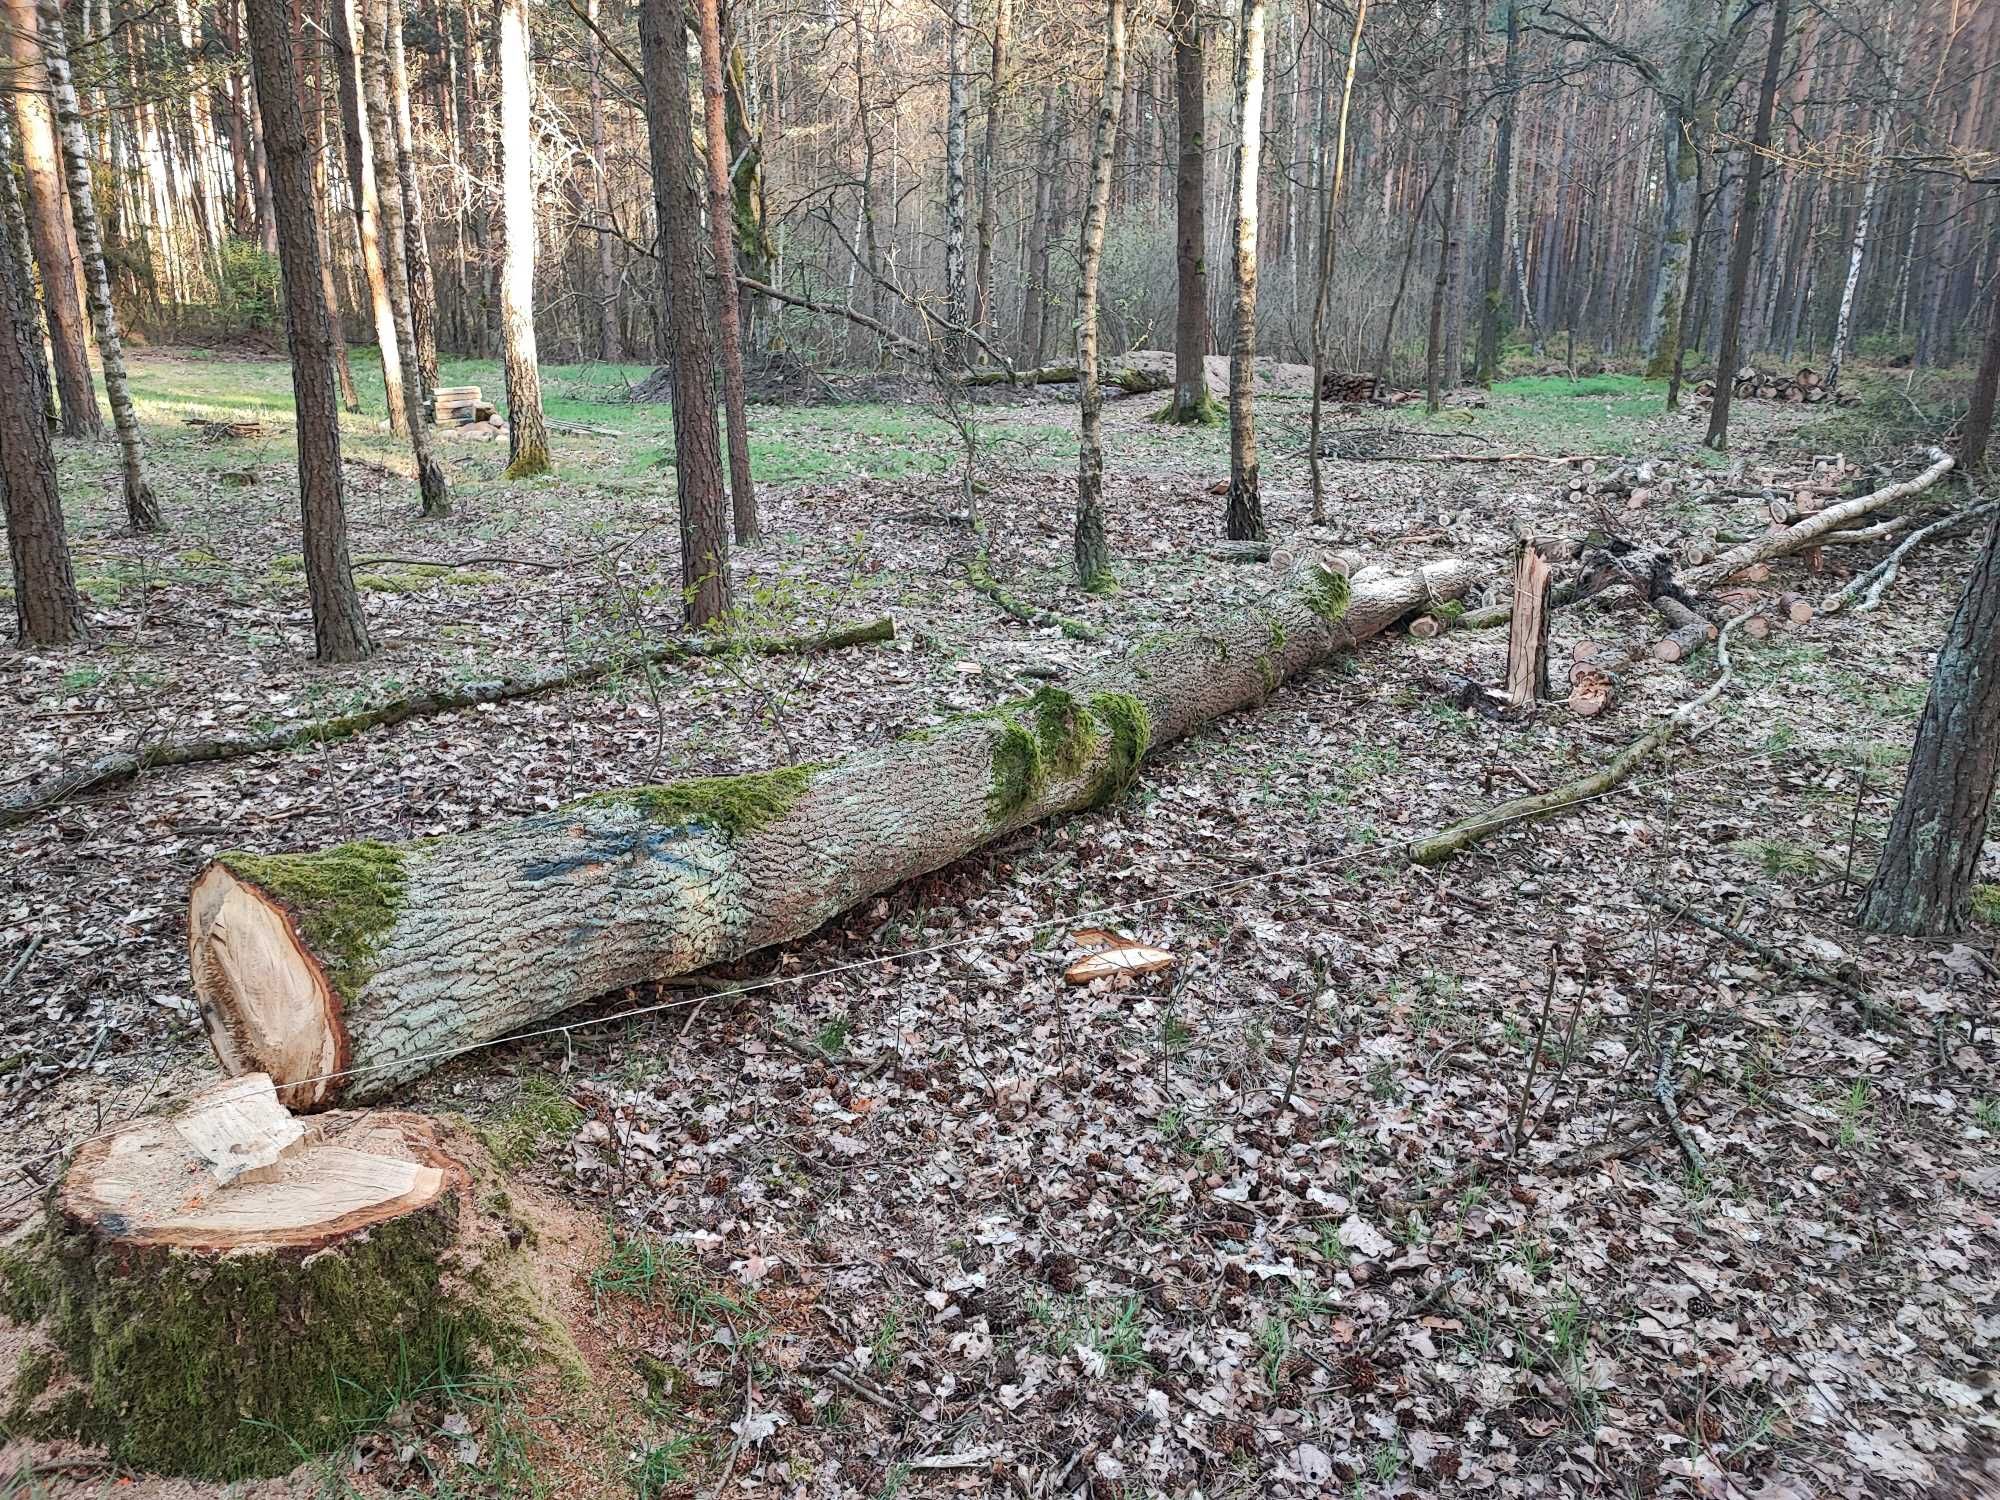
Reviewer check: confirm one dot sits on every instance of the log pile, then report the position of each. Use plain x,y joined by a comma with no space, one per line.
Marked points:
1350,387
346,972
1804,386
460,406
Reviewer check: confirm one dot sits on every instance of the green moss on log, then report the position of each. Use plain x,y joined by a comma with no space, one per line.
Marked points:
343,899
1327,594
1018,770
1130,729
1064,729
26,1288
733,805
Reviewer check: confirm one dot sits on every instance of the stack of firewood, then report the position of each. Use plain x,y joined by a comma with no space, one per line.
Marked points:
1347,385
1807,386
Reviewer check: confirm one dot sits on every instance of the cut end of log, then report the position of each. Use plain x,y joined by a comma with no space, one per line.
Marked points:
155,1182
267,1004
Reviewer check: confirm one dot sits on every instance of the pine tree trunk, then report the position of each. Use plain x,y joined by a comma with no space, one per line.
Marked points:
350,394
1922,884
350,47
1192,402
49,228
48,611
1976,431
369,961
1747,226
142,507
1092,551
722,224
1498,200
704,502
527,432
416,245
1244,521
340,629
1329,243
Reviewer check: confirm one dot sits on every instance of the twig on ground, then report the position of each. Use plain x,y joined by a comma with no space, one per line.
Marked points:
1663,1095
1812,973
1515,1139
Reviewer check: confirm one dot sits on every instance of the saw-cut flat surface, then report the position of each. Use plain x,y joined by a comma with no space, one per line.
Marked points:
147,1184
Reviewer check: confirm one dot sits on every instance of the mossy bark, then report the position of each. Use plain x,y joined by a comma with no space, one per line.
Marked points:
231,1362
494,930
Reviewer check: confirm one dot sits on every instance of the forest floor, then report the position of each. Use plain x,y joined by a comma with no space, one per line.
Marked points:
920,1217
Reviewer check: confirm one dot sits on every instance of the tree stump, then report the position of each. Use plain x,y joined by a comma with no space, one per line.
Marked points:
227,1289
1528,632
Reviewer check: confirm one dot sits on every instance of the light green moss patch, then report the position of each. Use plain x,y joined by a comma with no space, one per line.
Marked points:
26,1288
1064,729
343,898
1131,731
1327,594
1986,904
1018,770
734,805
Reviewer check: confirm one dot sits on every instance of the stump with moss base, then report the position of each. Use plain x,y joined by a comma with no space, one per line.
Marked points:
222,1292
350,971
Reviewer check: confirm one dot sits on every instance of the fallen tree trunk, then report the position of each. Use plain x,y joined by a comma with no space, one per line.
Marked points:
119,765
1879,577
216,1294
1813,529
347,972
1133,382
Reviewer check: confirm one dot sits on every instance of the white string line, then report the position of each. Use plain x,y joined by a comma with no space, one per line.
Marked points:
771,981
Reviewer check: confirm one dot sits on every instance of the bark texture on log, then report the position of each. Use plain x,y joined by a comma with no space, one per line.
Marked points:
1528,636
348,972
221,1328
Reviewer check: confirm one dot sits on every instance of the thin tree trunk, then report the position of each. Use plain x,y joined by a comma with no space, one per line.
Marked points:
142,507
340,629
721,224
1244,521
349,46
381,132
1092,551
1328,246
989,170
1192,404
350,394
527,432
1922,884
1498,200
1843,323
1434,345
416,245
1382,357
49,228
610,344
704,502
1747,225
1975,444
48,610
954,178
1035,288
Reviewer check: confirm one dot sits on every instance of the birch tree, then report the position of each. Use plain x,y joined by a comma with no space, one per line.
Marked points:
1244,520
1092,551
527,431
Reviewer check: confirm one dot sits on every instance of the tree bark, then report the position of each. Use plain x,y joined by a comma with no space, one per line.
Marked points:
954,178
989,170
1244,520
1091,551
416,244
527,431
704,507
1191,404
48,611
721,224
1976,432
1447,210
1035,287
142,507
381,132
1922,884
349,45
367,960
610,343
1498,201
350,394
1747,225
49,228
162,1268
1329,241
340,627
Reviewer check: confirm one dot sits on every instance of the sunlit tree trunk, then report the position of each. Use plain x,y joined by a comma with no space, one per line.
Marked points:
416,246
350,395
49,229
48,611
142,507
349,46
1747,226
1191,402
704,502
1092,551
340,630
1245,518
379,117
527,432
722,224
